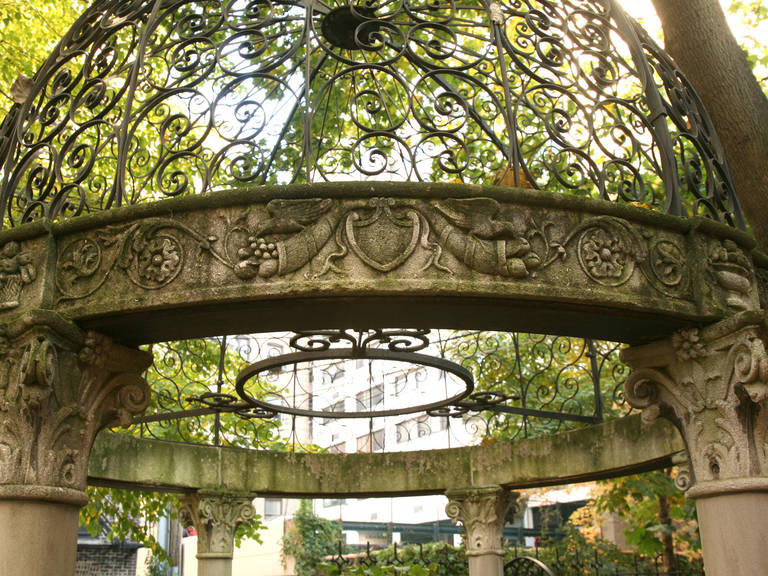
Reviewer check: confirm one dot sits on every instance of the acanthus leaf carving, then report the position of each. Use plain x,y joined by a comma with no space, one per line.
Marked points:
216,517
52,404
713,384
483,513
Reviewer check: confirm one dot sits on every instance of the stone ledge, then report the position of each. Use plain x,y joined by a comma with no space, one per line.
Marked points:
618,447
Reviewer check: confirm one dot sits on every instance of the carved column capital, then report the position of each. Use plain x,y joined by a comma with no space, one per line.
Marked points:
58,388
216,516
713,384
482,512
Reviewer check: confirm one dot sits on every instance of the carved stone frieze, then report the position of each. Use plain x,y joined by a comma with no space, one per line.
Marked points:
56,393
287,235
17,269
713,384
257,251
483,513
216,517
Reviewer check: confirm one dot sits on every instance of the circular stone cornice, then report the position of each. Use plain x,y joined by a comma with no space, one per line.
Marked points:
56,494
617,447
380,254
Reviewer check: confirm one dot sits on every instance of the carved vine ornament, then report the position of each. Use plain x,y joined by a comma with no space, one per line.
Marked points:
384,234
713,384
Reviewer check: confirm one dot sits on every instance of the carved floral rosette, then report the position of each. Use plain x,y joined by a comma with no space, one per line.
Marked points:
57,390
483,513
713,384
216,517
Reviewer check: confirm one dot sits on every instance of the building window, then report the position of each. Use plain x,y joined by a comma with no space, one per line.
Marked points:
337,448
370,399
414,428
364,442
273,507
338,407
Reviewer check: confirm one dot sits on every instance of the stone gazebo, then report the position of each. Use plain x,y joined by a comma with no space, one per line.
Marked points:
371,177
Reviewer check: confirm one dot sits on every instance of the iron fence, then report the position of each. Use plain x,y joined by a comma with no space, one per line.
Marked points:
594,563
550,561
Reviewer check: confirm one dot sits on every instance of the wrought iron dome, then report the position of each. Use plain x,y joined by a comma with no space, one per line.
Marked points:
150,99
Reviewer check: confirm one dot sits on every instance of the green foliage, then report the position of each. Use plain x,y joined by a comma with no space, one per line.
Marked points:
575,555
548,373
375,570
157,567
754,13
29,31
128,515
636,499
310,540
434,559
577,551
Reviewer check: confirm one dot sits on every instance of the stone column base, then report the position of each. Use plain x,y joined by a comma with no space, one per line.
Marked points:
214,566
38,538
488,565
734,533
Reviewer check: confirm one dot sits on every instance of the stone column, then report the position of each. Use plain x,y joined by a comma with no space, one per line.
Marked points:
483,513
216,516
58,388
713,384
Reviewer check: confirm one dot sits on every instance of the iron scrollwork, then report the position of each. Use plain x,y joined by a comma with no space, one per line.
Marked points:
527,385
146,100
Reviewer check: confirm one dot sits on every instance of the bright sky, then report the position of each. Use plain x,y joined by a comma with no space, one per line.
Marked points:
643,11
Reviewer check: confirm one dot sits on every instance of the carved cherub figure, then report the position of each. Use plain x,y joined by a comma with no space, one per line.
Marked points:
16,270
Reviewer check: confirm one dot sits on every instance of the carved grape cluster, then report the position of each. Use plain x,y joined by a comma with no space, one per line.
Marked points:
257,257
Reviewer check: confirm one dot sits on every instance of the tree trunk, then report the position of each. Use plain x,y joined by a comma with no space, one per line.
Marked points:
668,552
698,38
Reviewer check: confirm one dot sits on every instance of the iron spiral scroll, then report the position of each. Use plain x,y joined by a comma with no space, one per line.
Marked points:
151,99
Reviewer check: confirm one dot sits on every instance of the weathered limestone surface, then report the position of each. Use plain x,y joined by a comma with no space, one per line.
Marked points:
216,516
380,254
58,388
612,448
713,384
385,255
482,512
